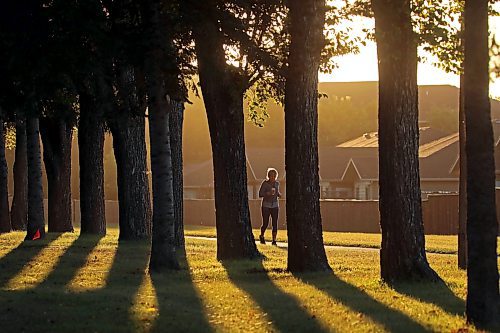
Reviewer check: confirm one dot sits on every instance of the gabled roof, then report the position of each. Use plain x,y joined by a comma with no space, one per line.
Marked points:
260,159
202,174
350,165
367,167
333,161
438,160
199,174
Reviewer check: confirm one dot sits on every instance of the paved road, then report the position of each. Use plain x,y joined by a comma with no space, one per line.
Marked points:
285,244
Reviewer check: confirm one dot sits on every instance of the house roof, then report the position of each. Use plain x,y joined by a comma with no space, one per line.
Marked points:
263,158
199,174
367,167
202,174
367,140
430,148
438,160
333,161
370,140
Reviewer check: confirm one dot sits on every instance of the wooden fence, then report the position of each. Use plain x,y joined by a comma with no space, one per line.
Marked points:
440,214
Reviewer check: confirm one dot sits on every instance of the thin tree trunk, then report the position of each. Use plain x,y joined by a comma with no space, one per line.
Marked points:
305,236
56,138
175,122
129,146
462,190
483,300
19,209
5,225
402,254
163,251
36,218
91,145
223,97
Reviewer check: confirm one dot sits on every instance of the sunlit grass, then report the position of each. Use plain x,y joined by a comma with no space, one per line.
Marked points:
36,270
97,284
227,306
94,273
144,309
446,244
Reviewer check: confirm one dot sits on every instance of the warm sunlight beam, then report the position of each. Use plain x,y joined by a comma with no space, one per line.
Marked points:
94,273
420,305
9,243
312,300
242,313
39,267
144,310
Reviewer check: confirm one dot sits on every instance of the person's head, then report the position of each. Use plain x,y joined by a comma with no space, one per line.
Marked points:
272,174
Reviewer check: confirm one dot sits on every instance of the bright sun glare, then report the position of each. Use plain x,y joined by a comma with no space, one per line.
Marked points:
363,66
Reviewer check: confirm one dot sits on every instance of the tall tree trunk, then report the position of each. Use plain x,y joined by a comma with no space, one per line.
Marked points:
462,190
483,300
305,236
163,251
57,134
5,225
91,145
36,218
176,120
402,254
223,96
127,124
129,146
19,209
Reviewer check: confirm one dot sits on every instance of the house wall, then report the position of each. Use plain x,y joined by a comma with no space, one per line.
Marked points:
358,189
369,190
439,186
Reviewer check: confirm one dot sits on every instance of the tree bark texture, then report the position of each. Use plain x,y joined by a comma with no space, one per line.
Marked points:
91,145
462,189
223,98
57,135
129,146
5,225
402,254
36,218
163,251
482,306
176,120
305,236
19,208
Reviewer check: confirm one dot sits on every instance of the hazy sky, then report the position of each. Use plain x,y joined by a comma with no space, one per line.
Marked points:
363,67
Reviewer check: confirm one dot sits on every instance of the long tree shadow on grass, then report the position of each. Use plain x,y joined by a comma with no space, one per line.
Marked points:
438,294
392,320
14,261
73,259
283,309
179,301
52,307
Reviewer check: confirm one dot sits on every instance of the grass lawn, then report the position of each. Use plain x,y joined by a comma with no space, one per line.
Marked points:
67,283
433,243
